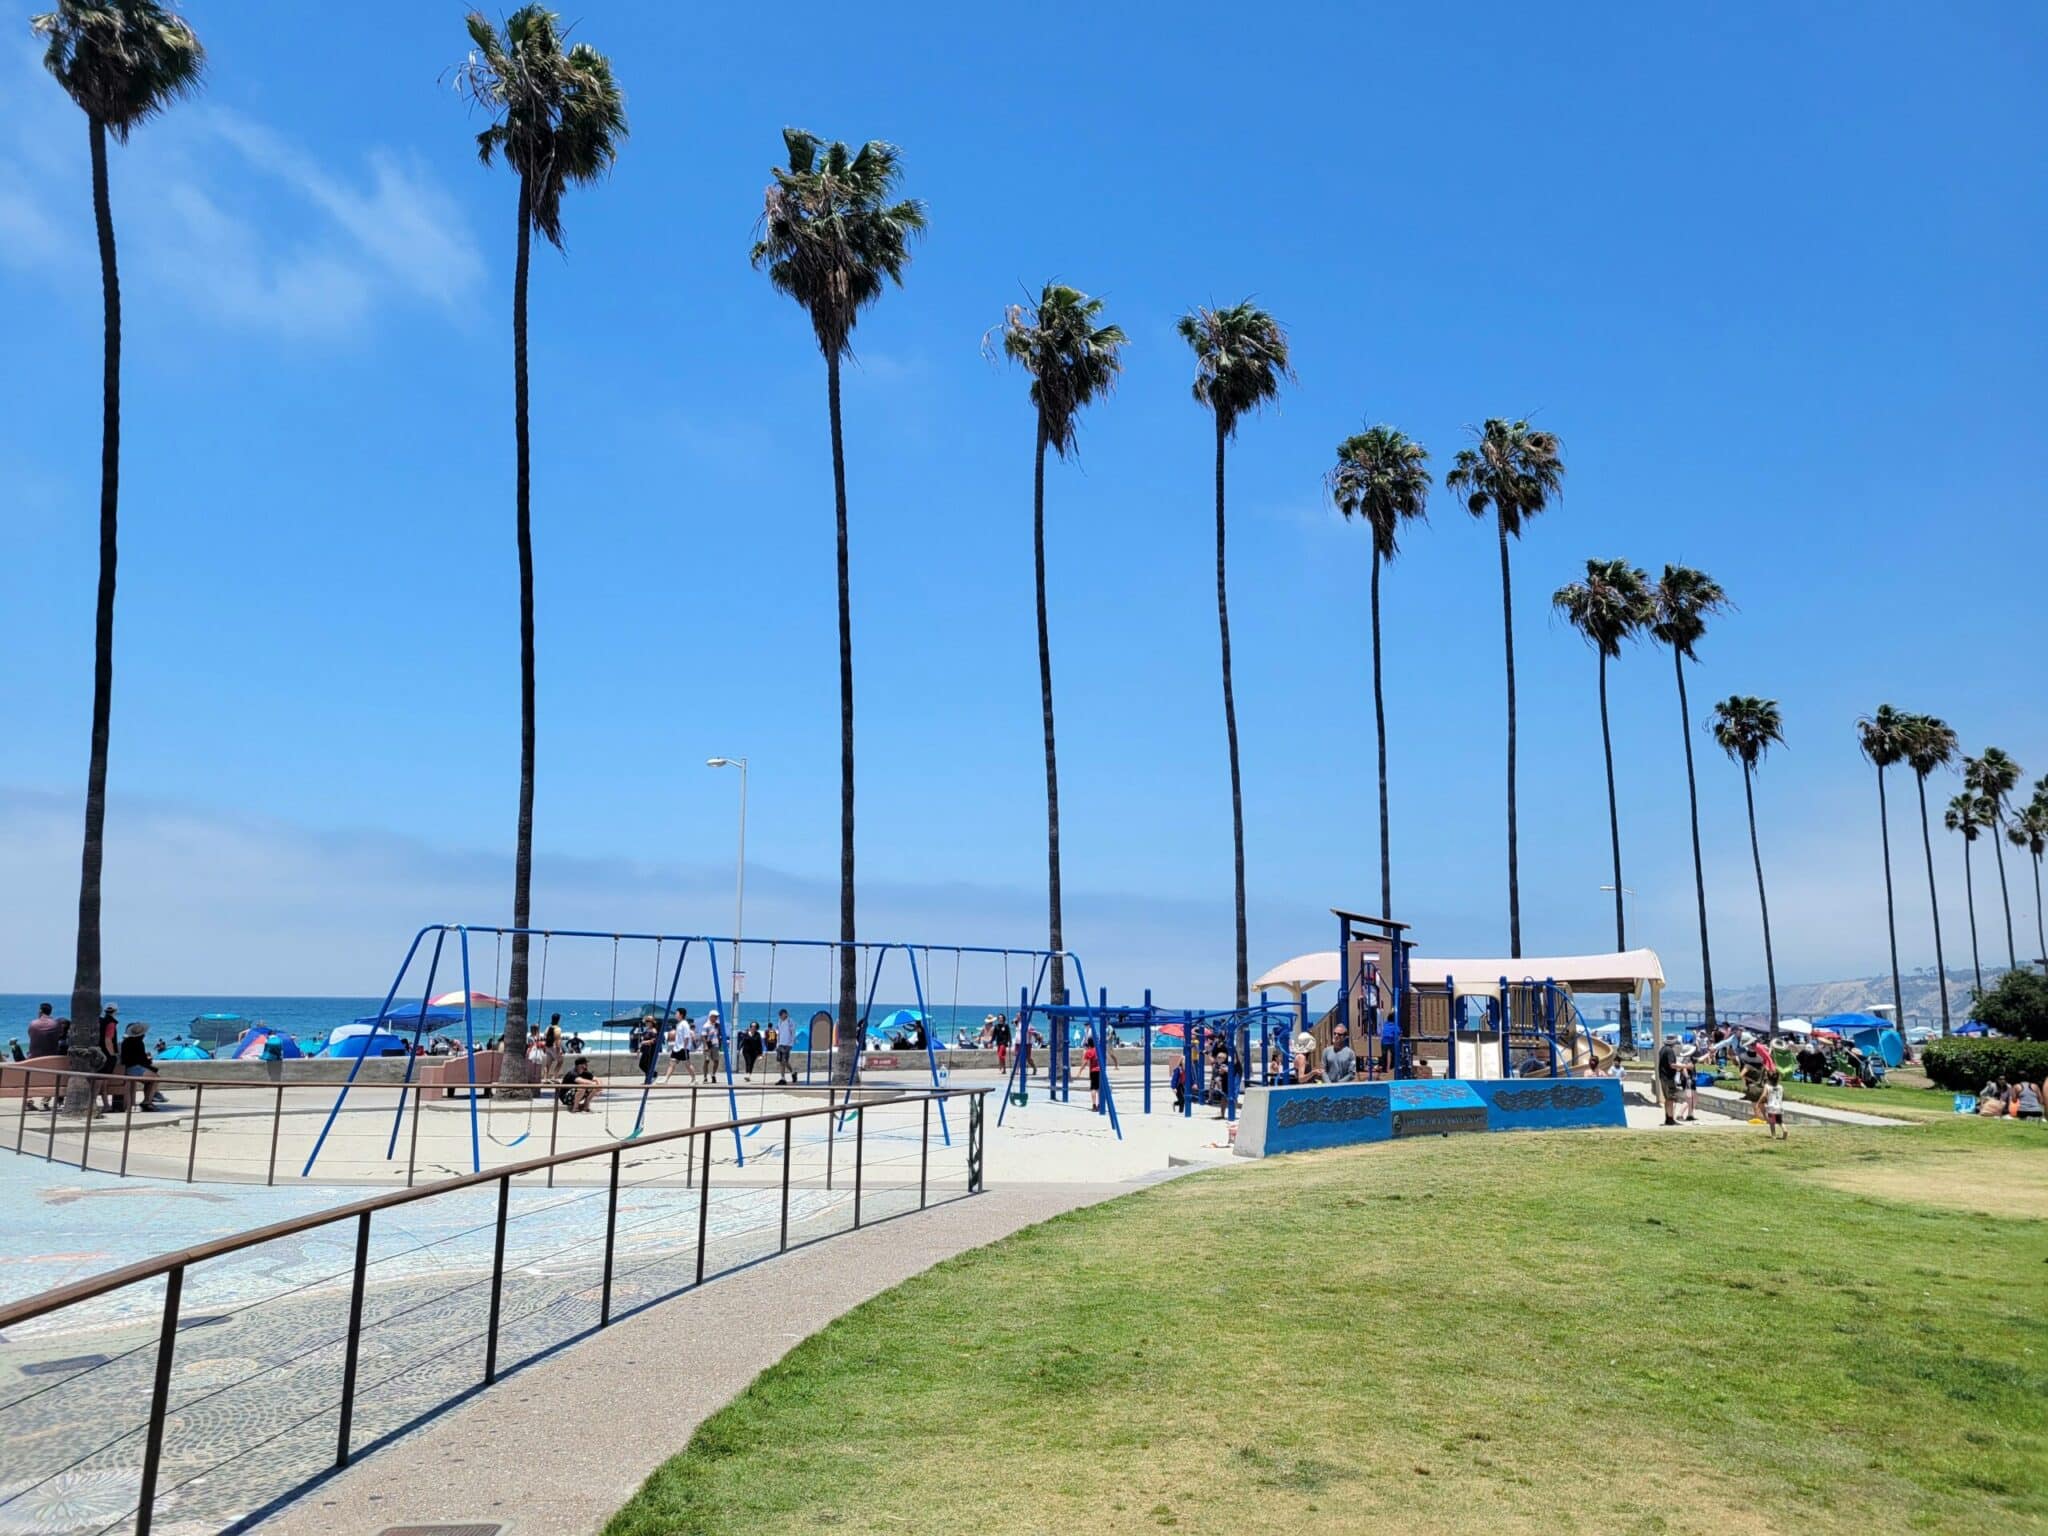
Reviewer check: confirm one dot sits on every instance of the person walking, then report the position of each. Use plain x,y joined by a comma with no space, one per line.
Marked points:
682,1041
783,1038
1000,1033
750,1048
646,1042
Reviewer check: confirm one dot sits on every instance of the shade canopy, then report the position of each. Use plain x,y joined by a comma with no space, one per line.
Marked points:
404,1016
476,1000
1624,971
1303,972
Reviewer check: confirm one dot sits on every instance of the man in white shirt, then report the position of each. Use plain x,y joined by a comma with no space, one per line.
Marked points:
682,1043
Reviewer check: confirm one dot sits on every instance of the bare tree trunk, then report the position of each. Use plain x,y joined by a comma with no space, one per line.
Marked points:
1379,716
1891,926
1055,942
1230,729
85,979
1627,1033
1970,895
1763,902
2012,954
1507,620
1933,900
849,957
1699,868
512,1069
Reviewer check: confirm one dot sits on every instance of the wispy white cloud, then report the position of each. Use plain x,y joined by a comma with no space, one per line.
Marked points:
225,215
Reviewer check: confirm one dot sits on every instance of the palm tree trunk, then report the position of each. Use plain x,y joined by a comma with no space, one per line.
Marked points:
1052,773
2040,936
85,979
849,957
1507,619
512,1069
1933,901
1230,729
1891,926
1379,715
1627,1033
2012,956
1699,868
1970,894
1763,902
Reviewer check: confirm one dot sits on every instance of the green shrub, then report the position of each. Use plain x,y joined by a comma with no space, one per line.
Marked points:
2017,1006
1967,1065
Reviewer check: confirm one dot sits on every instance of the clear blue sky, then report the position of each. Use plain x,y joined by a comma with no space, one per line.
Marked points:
1773,273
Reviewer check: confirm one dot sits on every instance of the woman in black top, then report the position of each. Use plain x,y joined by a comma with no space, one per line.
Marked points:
750,1046
137,1062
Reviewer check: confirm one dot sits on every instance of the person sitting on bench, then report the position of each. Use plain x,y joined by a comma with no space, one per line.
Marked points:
137,1062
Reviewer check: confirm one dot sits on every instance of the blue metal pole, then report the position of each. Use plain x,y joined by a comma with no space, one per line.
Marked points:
1148,1051
1020,1049
732,1102
930,1051
398,1119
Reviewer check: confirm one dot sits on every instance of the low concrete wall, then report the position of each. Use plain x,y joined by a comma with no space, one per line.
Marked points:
1328,1115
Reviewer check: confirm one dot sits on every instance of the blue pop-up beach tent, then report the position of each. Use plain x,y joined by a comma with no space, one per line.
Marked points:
250,1046
1868,1033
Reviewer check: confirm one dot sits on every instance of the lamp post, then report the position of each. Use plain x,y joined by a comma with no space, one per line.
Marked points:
739,913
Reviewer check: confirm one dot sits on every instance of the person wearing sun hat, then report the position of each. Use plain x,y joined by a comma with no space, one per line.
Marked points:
136,1061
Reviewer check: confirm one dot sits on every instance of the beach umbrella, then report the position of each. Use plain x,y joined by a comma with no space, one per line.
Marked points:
1173,1031
185,1051
1795,1027
476,1000
901,1018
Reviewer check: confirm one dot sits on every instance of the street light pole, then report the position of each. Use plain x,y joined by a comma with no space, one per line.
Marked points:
739,914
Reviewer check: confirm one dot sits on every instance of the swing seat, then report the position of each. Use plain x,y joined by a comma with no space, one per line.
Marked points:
1021,1096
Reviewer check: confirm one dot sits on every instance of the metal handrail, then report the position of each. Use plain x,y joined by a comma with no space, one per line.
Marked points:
14,1313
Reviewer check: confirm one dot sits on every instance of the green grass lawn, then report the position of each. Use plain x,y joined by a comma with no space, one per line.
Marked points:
1904,1100
1591,1332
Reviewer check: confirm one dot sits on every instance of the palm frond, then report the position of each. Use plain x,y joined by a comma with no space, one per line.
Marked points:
1071,359
1382,476
1612,604
1512,469
1684,600
1746,727
1241,359
122,61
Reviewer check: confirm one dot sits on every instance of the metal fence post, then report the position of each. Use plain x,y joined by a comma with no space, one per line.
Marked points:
611,1231
276,1125
159,1401
788,1151
704,1209
924,1153
127,1129
860,1131
192,1151
974,1143
50,1145
92,1113
412,1146
497,1282
554,1130
355,1338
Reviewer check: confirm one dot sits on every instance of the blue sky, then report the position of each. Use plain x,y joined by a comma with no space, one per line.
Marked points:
1772,273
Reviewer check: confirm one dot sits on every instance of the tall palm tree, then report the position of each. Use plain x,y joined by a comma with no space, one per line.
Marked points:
1994,776
832,234
557,119
1746,728
1240,360
1966,814
1512,471
1884,738
1071,359
1611,605
1381,475
1684,600
2029,830
1930,744
123,62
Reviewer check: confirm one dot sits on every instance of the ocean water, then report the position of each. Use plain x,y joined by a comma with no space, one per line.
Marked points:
309,1020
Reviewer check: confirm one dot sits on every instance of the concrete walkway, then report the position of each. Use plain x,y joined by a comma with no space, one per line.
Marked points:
499,1456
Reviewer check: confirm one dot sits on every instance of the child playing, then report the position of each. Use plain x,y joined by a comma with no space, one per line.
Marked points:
1774,1107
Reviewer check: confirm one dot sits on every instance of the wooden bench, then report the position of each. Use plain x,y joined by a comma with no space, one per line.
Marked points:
32,1080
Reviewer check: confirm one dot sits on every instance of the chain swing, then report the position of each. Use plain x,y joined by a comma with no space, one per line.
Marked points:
500,1106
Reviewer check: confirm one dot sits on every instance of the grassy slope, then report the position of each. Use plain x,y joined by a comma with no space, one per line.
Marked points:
1907,1102
1596,1332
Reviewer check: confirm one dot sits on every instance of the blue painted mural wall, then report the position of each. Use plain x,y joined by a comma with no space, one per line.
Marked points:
1300,1119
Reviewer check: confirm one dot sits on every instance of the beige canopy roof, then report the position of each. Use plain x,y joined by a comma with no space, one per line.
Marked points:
1303,972
1622,972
